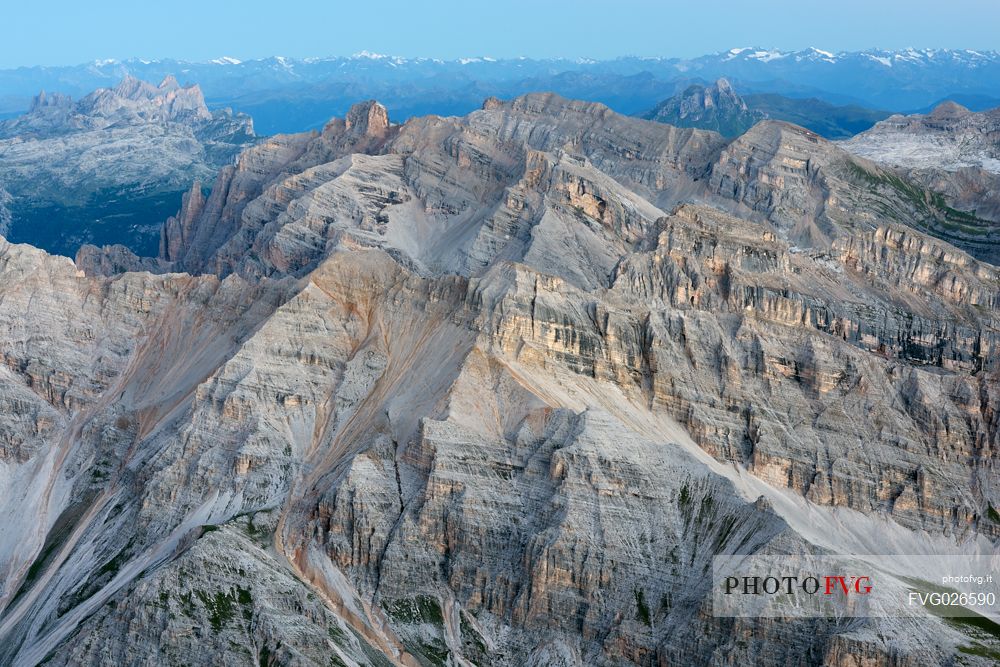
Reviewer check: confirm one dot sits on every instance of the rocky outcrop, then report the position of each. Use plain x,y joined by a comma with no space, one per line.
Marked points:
951,151
494,390
966,189
103,169
812,190
719,108
949,138
115,259
716,107
131,102
177,230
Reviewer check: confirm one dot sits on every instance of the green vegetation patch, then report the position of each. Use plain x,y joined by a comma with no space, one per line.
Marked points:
981,651
337,635
222,606
421,609
931,204
684,499
642,609
432,653
472,642
992,513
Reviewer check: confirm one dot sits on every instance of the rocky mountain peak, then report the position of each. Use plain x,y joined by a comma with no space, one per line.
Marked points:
721,93
948,110
722,85
134,97
170,83
367,118
131,102
547,104
47,100
142,141
715,107
177,229
779,133
131,87
949,139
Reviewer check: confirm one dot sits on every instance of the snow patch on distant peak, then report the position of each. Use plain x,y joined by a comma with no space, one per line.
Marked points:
368,55
226,60
755,53
816,55
767,56
821,52
284,63
880,59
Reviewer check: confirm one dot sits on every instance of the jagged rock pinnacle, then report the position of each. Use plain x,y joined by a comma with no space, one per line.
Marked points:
367,118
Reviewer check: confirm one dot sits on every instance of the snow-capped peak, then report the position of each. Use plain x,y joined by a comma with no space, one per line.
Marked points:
754,53
821,52
879,59
767,56
369,55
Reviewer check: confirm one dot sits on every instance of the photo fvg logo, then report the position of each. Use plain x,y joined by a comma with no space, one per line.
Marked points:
854,586
791,585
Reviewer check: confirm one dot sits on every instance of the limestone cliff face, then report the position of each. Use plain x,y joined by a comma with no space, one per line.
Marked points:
177,230
492,390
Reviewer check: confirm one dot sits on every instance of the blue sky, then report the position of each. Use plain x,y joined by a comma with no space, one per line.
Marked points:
63,32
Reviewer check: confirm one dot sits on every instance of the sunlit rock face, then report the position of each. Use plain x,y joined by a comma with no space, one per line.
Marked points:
492,390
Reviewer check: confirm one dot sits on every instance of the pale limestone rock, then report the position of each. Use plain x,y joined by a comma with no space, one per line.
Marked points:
492,390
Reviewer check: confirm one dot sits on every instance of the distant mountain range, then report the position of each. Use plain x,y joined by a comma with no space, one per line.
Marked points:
285,94
719,108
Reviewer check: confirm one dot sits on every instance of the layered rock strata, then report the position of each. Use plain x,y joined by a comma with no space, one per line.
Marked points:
493,390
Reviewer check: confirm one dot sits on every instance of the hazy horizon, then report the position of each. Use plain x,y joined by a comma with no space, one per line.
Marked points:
198,32
482,56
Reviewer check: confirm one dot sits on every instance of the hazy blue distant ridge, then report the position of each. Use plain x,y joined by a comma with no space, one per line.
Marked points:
285,94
